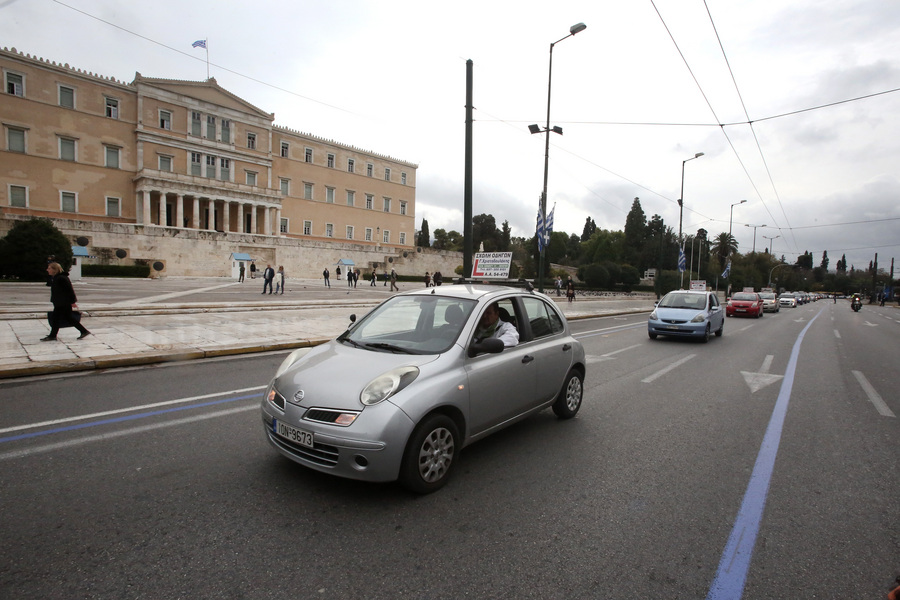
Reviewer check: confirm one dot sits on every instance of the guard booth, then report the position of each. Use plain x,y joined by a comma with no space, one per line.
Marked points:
79,253
345,264
239,259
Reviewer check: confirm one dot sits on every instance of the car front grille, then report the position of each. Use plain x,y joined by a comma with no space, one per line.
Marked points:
674,321
320,454
325,415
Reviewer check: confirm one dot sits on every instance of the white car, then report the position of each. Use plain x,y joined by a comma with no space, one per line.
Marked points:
770,302
787,300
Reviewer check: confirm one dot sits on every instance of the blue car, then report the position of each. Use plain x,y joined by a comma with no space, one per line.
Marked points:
687,314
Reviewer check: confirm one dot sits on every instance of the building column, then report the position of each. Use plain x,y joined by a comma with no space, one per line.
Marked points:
253,229
179,211
195,218
277,221
211,214
145,207
267,211
162,209
226,216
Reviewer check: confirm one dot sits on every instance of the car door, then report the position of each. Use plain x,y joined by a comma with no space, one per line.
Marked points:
548,343
716,314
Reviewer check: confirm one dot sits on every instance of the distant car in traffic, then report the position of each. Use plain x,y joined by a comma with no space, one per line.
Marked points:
746,304
770,302
788,300
684,313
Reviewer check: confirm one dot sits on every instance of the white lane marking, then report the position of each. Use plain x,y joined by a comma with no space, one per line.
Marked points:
837,334
609,355
758,381
873,395
871,324
674,365
130,409
615,329
123,432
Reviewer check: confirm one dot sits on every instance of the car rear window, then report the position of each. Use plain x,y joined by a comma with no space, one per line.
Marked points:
744,297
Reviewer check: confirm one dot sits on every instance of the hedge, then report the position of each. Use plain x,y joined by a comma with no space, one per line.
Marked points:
115,270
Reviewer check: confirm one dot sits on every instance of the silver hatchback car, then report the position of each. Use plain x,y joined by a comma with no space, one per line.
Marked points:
405,388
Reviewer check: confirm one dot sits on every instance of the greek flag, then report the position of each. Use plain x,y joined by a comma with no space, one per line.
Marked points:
727,270
548,227
540,230
681,260
199,44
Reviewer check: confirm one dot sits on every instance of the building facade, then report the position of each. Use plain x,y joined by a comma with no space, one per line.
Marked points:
130,167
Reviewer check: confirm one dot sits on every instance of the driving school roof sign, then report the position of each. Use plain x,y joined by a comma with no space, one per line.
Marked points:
491,265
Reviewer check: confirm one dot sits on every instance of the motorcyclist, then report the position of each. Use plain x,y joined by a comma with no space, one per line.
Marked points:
856,302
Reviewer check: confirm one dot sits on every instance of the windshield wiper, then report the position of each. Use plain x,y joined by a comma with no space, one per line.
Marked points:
347,339
391,347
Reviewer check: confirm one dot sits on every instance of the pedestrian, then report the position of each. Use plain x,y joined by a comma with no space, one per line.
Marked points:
356,275
268,276
394,280
241,274
385,277
279,280
438,278
374,278
558,285
326,275
62,296
252,270
349,277
427,279
338,273
570,289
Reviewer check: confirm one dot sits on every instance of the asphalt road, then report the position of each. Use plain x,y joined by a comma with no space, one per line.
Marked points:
156,482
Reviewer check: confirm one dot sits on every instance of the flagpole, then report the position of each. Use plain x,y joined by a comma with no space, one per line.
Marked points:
206,45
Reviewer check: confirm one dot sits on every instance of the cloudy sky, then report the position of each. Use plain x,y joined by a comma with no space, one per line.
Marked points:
648,84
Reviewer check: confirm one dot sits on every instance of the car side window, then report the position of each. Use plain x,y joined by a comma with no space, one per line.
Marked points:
713,302
543,320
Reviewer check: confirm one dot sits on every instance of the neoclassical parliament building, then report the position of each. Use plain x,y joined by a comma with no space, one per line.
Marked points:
193,179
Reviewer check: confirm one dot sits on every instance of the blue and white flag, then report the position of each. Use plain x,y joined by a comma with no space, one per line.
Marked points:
540,230
548,226
681,260
727,270
199,44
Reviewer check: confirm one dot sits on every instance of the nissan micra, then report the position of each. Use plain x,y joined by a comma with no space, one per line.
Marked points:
423,375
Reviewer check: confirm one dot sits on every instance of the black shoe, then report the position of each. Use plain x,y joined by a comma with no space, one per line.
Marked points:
84,335
48,339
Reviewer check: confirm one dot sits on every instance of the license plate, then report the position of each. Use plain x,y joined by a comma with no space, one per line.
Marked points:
741,309
298,436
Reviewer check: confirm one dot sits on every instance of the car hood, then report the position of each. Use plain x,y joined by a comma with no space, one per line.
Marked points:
743,302
333,374
677,314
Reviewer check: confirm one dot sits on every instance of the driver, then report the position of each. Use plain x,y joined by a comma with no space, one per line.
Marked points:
490,326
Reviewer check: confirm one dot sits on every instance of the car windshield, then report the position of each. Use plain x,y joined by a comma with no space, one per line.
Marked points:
683,300
750,297
767,296
411,325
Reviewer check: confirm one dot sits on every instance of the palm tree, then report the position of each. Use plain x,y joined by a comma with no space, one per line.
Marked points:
724,246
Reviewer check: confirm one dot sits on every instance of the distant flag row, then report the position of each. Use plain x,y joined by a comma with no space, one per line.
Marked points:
544,229
682,263
199,44
727,270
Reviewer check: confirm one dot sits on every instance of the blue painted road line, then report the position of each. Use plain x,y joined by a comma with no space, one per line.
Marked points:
734,565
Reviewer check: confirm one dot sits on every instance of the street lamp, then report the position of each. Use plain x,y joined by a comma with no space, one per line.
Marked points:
681,199
577,28
754,235
770,241
731,218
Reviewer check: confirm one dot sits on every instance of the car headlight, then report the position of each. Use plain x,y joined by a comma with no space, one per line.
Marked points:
653,316
699,318
291,359
384,386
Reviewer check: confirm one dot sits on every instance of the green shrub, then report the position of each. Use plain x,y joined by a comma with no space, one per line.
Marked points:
115,270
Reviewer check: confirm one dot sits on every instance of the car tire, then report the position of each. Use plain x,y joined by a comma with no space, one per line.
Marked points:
705,338
652,335
569,399
720,330
430,454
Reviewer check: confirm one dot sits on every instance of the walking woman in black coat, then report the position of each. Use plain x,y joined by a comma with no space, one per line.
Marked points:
63,298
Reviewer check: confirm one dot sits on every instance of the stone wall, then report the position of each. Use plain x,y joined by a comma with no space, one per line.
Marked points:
198,253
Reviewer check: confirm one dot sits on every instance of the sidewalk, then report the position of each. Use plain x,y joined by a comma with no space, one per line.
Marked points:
153,329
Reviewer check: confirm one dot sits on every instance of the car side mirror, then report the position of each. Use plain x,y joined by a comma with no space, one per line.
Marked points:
488,346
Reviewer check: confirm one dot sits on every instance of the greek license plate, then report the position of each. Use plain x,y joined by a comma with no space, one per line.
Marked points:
298,436
742,310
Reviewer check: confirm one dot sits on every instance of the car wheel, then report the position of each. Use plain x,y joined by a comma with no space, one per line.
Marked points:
652,335
721,329
705,337
569,399
430,454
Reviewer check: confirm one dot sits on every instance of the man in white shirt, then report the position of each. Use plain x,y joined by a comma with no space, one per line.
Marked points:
490,326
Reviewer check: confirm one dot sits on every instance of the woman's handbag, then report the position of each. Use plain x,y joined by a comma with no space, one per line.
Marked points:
75,318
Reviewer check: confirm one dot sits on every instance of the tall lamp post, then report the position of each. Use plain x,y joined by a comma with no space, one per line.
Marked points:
731,218
681,198
577,28
754,235
770,241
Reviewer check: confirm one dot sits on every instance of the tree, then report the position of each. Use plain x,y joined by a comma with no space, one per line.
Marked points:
25,249
447,240
589,228
805,260
635,231
824,263
424,238
724,246
505,237
484,230
841,266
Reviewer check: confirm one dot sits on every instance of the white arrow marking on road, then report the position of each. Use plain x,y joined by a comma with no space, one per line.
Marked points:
837,334
758,381
874,397
608,355
662,372
871,324
800,320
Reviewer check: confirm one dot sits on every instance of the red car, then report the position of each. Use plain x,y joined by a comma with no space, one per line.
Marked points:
747,304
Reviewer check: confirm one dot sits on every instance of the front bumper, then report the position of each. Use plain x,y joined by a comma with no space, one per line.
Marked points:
677,329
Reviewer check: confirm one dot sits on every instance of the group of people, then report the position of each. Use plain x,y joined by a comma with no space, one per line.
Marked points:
435,280
271,276
570,288
353,277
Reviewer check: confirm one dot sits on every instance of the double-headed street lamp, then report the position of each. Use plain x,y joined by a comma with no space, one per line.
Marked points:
770,241
754,235
577,28
681,198
731,218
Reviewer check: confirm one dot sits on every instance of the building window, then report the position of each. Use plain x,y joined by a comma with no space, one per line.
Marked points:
18,196
15,139
15,84
225,171
331,161
402,207
307,227
285,150
196,164
251,178
329,195
226,131
112,157
285,186
370,199
113,207
68,201
211,167
308,191
308,155
66,149
351,197
386,236
196,123
165,119
387,205
370,169
329,230
349,232
351,165
210,127
165,163
251,141
387,174
66,97
402,238
403,178
112,108
283,225
368,234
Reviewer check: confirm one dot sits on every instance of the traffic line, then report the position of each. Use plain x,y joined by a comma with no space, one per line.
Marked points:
674,365
607,330
837,334
609,355
874,397
731,575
